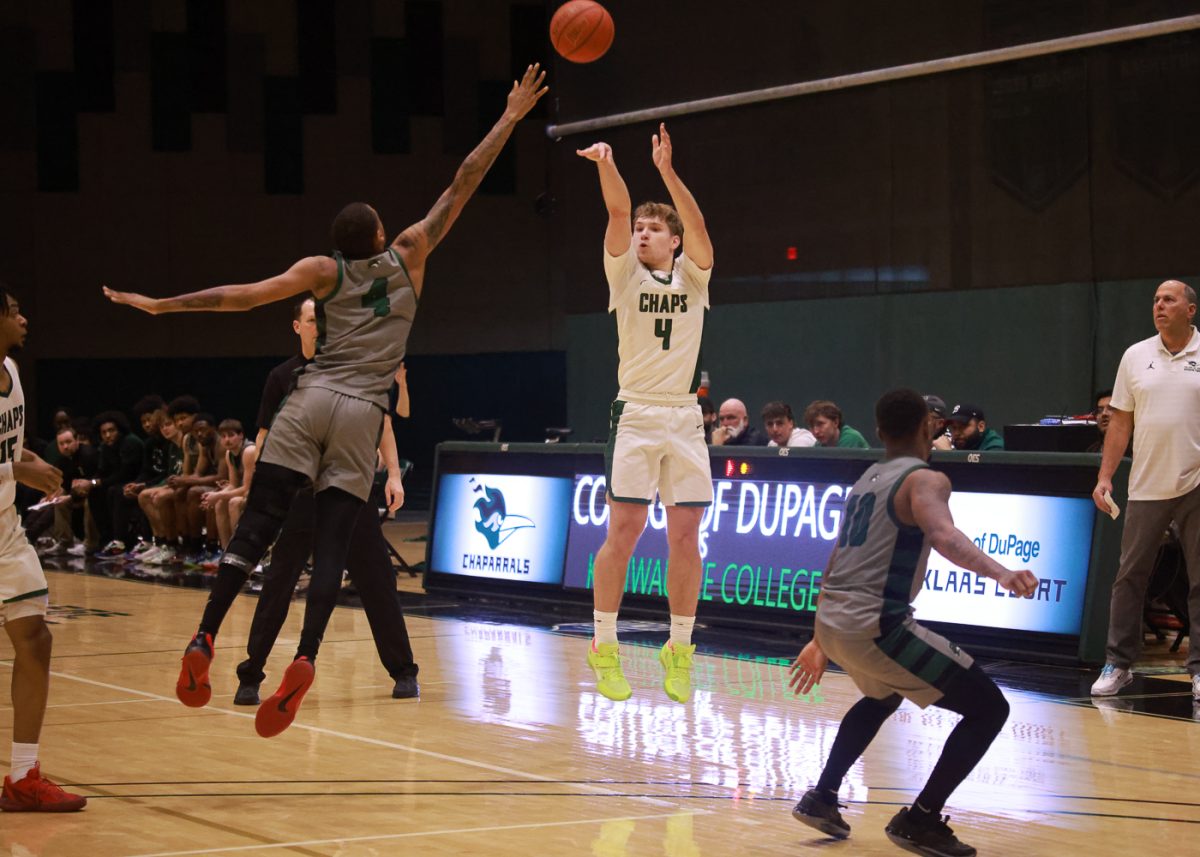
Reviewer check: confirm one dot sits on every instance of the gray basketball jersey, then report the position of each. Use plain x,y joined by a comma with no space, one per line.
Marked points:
880,562
362,328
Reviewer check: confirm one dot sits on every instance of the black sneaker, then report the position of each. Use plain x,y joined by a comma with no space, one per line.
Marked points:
933,837
247,694
406,688
818,812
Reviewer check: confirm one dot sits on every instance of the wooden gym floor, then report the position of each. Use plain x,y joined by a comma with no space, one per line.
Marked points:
509,751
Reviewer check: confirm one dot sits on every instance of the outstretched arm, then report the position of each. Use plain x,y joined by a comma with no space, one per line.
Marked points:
695,235
619,234
316,274
416,242
924,498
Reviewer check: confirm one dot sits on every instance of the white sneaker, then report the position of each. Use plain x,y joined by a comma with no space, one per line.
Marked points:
1196,687
77,549
142,548
1112,679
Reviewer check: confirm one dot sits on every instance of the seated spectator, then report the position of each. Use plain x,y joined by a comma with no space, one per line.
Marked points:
68,520
62,419
203,467
120,462
781,426
937,422
824,420
968,430
735,428
709,412
238,457
151,413
157,502
1103,415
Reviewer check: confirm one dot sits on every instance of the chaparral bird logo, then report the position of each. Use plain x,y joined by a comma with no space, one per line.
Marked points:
492,519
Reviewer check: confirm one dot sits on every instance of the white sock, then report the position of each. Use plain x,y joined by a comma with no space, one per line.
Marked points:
606,627
681,630
24,757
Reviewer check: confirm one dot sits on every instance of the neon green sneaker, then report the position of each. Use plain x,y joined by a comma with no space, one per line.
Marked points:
605,661
677,661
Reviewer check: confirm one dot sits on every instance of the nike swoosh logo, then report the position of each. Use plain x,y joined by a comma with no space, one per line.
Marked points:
191,681
283,702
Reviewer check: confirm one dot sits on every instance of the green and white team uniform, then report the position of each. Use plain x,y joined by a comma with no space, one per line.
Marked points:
329,427
865,620
23,588
656,430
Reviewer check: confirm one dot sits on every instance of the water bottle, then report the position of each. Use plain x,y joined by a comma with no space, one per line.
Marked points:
703,389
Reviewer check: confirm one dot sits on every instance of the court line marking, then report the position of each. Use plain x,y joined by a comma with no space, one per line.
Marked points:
348,736
82,704
414,834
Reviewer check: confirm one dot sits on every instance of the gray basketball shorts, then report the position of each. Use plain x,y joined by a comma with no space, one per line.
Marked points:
910,660
330,437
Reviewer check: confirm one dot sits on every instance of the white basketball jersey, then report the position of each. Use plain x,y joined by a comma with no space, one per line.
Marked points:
660,322
12,434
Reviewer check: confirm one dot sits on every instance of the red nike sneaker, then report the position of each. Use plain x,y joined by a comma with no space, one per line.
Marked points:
33,793
279,710
193,688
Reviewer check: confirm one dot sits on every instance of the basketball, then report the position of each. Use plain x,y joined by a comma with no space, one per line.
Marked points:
581,31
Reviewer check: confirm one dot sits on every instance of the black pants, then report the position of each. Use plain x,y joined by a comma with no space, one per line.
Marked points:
101,500
129,522
370,569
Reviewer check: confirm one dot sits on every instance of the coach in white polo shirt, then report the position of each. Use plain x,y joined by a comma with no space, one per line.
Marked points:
1158,390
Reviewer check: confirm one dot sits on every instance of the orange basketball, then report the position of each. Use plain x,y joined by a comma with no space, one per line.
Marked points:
581,31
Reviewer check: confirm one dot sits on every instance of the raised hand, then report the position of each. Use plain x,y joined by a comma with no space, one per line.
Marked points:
132,299
526,92
598,152
660,148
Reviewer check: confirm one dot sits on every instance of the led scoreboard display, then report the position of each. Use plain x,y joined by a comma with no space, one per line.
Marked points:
538,516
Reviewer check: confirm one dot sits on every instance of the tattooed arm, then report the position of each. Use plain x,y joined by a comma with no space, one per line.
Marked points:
316,274
416,242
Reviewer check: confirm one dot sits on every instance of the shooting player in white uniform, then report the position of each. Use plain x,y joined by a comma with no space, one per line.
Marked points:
658,287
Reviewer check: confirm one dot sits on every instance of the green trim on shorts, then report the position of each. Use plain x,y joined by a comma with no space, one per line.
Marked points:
920,658
27,595
641,501
695,503
614,418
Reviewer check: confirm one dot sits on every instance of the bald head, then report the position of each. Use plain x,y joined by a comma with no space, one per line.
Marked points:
1174,309
1189,294
732,414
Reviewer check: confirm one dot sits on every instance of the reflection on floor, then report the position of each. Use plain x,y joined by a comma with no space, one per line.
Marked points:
510,752
1160,688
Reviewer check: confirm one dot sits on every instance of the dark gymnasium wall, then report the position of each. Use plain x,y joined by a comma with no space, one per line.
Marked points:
168,145
992,234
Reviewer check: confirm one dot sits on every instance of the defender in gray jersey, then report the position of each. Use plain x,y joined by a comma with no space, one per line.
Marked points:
897,511
327,431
